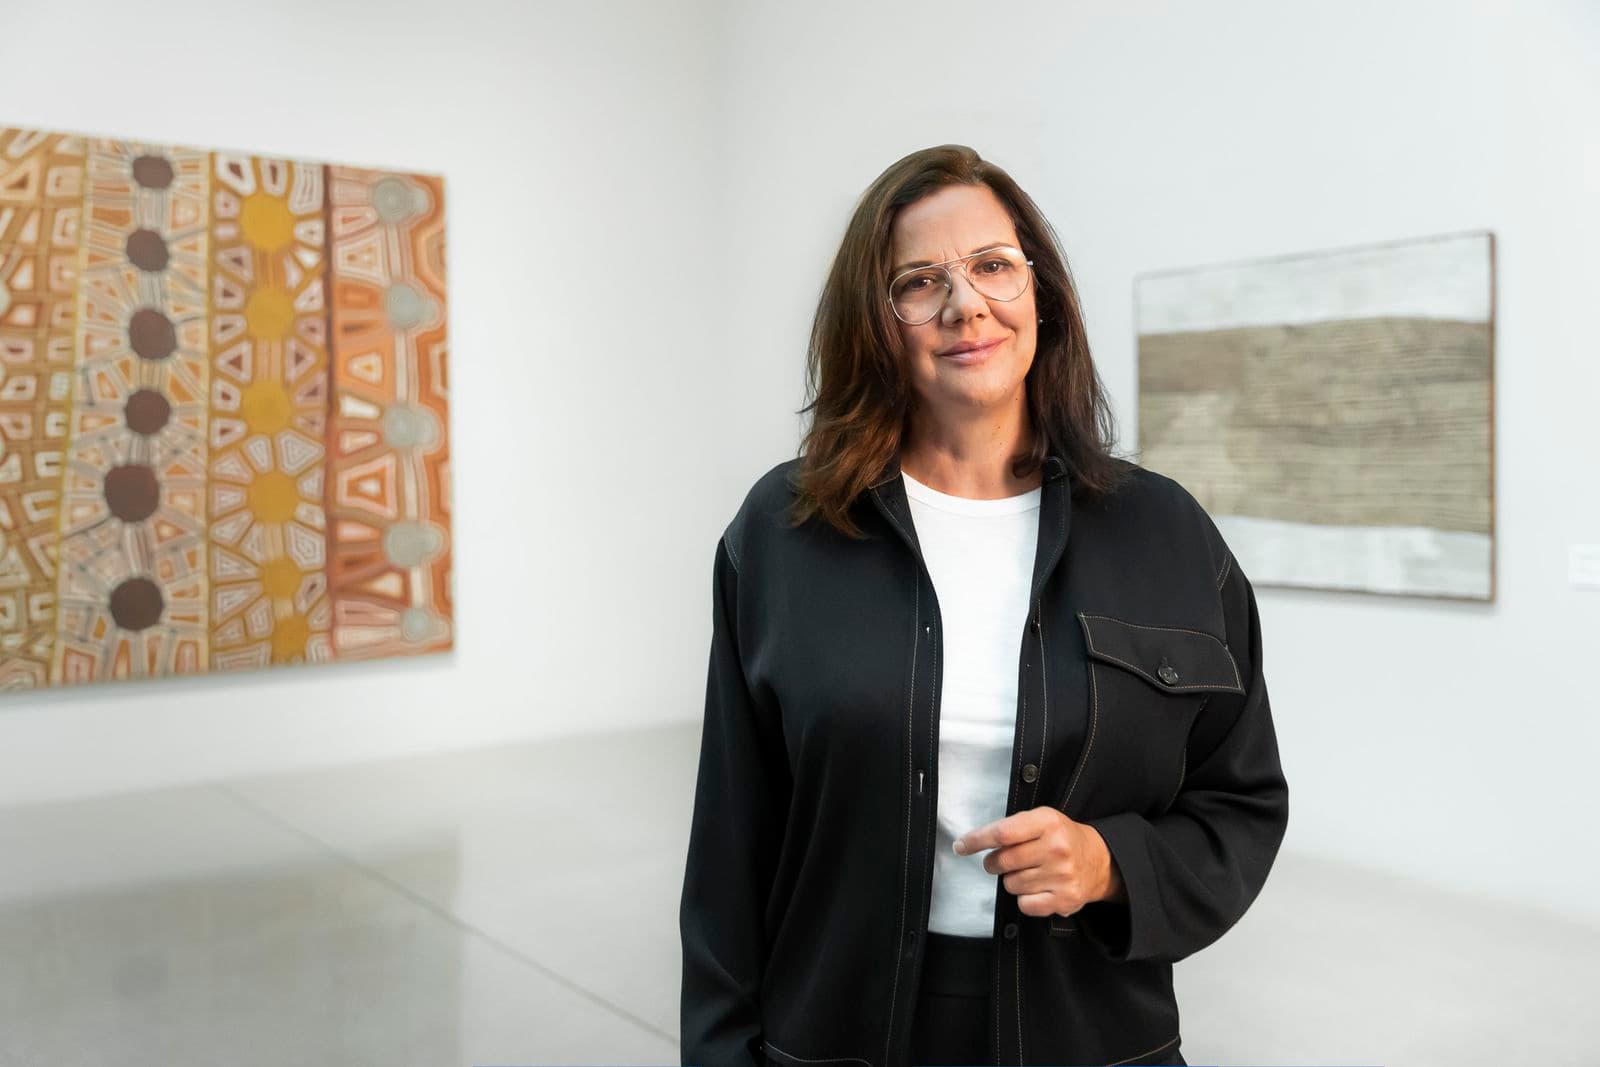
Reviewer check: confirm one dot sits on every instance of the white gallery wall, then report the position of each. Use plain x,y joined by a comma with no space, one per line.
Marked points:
574,140
1449,742
643,199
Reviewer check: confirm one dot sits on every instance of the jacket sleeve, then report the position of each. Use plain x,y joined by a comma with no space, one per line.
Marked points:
740,804
1190,873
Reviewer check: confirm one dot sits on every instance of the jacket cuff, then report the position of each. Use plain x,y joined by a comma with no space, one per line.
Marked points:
1121,930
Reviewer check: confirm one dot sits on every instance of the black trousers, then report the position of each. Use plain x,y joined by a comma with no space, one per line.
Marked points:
951,1026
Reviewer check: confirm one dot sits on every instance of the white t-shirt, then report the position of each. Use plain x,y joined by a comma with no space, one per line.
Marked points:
979,554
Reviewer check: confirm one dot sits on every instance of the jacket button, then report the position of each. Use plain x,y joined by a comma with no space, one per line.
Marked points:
1036,622
1011,931
1167,674
1030,773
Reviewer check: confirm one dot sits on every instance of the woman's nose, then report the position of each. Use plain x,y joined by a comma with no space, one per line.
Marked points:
963,300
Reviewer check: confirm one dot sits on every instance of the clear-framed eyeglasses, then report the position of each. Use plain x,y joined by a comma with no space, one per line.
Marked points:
999,273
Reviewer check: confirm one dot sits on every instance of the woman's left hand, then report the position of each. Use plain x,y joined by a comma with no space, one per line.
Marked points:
1053,865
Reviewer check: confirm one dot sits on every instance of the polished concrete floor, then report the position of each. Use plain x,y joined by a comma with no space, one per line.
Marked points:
518,905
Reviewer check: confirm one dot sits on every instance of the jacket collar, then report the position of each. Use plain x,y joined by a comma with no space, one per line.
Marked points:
888,493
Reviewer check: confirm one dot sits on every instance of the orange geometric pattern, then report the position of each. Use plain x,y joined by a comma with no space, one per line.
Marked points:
223,412
131,588
269,414
389,468
41,205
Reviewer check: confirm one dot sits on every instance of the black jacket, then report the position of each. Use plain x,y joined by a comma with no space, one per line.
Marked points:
1142,711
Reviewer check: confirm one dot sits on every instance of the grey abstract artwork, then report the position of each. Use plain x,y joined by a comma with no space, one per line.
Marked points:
1333,412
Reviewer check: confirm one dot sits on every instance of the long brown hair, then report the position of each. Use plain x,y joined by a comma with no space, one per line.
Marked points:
857,379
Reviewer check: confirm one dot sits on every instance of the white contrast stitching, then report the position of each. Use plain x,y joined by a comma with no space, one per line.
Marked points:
1150,1052
1044,688
933,757
1089,637
1016,946
805,1059
1141,672
1226,565
1183,764
1142,626
1022,727
905,861
1094,721
727,543
997,962
1044,706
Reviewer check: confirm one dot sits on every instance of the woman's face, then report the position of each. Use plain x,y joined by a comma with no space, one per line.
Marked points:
958,220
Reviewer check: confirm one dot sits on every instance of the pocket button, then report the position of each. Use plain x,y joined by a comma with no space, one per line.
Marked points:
1166,673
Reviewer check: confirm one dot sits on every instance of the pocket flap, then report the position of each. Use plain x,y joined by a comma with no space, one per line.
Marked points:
1171,658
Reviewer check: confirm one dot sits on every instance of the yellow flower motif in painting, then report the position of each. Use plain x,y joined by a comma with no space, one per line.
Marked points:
266,407
269,314
273,496
267,222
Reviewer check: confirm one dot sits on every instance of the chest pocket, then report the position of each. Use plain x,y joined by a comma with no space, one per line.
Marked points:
1173,659
1147,684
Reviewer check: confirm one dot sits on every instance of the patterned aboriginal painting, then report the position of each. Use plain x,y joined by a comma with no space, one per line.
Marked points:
222,412
1333,412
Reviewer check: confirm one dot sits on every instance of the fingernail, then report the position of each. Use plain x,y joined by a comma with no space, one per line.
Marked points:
959,850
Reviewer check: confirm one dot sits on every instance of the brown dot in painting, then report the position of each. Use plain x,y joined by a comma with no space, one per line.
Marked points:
151,334
146,412
132,492
152,172
136,604
147,250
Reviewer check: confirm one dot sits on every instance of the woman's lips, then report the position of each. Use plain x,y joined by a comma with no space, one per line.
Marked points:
972,355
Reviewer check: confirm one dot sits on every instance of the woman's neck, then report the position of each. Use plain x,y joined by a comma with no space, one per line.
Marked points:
972,461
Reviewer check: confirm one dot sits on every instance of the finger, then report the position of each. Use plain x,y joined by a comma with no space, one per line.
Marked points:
978,840
1015,857
1039,904
1023,882
1012,830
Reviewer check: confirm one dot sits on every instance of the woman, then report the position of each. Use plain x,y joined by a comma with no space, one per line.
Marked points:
987,744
